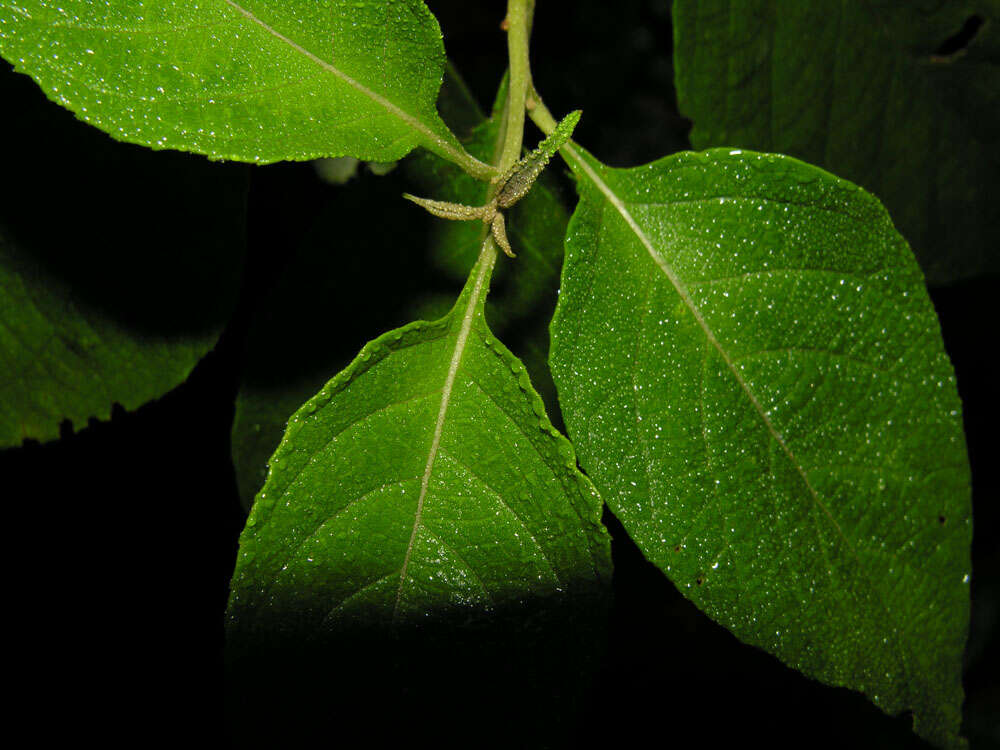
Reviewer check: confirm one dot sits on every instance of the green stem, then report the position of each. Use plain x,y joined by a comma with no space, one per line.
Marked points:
518,21
466,161
519,13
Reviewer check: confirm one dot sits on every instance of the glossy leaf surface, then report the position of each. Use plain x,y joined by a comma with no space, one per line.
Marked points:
753,376
109,293
889,94
422,491
432,442
250,80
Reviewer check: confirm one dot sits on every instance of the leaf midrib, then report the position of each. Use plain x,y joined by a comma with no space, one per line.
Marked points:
410,120
696,313
426,135
693,308
462,339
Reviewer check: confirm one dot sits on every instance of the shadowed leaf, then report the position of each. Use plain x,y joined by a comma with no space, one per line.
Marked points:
118,267
423,499
861,89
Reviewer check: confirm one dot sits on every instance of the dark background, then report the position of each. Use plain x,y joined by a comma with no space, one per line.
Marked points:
123,533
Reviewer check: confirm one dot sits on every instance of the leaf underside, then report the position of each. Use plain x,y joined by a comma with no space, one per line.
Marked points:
248,80
860,89
754,378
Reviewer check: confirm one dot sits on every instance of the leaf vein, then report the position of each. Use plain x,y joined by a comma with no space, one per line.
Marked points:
446,391
454,551
508,507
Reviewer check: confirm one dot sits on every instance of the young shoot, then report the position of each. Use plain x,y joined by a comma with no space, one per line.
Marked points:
509,187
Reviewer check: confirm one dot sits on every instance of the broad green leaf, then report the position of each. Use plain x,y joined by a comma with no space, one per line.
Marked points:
356,234
753,376
422,488
860,88
118,267
251,80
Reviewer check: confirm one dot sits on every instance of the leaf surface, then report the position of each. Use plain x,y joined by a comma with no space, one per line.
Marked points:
753,376
868,91
108,293
250,80
422,488
433,442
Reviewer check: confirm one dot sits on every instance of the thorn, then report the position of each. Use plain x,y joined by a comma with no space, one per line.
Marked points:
529,103
505,24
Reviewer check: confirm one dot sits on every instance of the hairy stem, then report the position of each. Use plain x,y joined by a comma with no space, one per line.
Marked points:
519,13
468,163
541,116
518,21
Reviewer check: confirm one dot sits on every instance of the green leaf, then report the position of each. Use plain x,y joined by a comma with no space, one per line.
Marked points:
860,89
437,427
251,80
111,288
456,103
423,487
753,375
